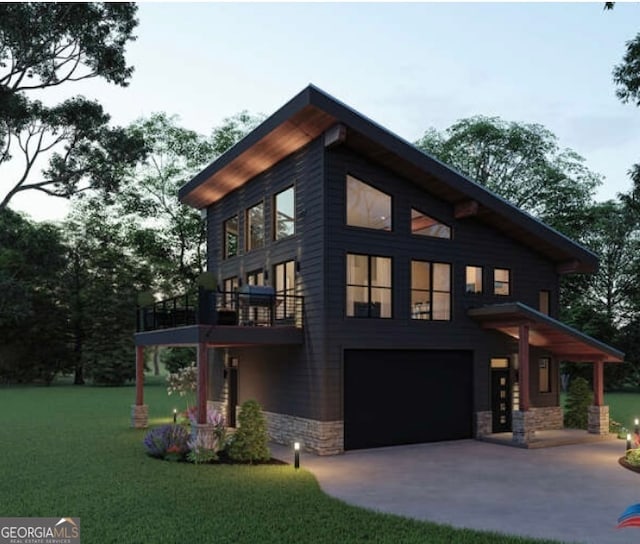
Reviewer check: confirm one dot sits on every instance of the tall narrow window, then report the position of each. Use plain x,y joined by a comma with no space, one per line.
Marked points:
255,227
255,278
285,214
430,291
285,286
229,287
231,237
368,286
424,225
473,279
367,207
544,381
543,302
501,282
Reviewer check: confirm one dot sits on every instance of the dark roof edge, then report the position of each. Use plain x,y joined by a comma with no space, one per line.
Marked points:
522,308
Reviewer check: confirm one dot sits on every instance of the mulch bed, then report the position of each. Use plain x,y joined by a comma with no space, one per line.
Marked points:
623,462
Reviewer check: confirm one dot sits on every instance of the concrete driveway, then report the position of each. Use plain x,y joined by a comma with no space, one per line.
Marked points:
569,493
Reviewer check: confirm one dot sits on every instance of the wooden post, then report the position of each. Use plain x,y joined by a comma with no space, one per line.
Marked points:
203,376
139,375
598,383
523,358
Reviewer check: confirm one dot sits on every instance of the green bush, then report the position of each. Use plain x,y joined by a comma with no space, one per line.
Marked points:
175,359
633,457
579,398
250,442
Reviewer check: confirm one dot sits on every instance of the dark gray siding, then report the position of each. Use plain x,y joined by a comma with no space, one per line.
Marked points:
473,244
284,380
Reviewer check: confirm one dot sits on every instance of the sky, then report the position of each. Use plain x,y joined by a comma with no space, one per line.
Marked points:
407,66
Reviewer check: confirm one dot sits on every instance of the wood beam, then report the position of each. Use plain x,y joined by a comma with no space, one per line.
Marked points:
568,267
466,208
523,361
203,375
598,383
335,135
139,375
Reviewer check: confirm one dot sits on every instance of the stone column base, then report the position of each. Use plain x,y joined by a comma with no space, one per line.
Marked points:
139,416
523,425
484,424
598,420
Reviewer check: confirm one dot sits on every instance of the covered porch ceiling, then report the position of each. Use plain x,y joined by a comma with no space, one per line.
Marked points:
545,332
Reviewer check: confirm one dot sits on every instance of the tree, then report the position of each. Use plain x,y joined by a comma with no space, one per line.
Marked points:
250,443
522,163
46,45
33,339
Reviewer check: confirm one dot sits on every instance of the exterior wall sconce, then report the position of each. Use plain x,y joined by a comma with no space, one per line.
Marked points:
296,455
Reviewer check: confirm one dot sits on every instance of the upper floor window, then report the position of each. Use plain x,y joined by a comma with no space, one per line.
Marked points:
543,302
255,227
231,237
229,287
368,286
255,278
544,377
473,279
430,291
366,206
285,214
501,281
424,225
285,287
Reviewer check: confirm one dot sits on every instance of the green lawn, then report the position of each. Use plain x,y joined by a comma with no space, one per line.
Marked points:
69,451
623,407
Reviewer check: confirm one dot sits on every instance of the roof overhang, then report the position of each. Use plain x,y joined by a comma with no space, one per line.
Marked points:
312,112
545,332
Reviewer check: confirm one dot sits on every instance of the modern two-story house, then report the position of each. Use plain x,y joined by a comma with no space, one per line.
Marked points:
369,295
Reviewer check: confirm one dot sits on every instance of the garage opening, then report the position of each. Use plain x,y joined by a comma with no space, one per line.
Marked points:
394,397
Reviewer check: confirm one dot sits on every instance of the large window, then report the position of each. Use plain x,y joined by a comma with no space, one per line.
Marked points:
231,237
229,286
501,282
285,286
368,286
285,214
424,225
255,278
367,207
255,227
430,291
544,376
473,279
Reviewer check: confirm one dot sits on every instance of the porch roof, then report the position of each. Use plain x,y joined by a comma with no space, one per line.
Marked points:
545,332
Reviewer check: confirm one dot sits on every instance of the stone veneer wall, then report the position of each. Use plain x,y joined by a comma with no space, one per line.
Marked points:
484,424
320,437
547,418
598,419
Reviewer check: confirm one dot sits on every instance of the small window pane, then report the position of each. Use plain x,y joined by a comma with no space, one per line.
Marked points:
420,275
543,375
367,207
499,362
473,281
441,277
544,302
231,237
424,225
285,214
357,301
255,227
357,269
501,282
380,302
381,271
441,307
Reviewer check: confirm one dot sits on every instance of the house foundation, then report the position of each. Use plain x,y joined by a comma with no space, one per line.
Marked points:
598,422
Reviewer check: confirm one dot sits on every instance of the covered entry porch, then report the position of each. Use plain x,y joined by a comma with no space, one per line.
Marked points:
532,328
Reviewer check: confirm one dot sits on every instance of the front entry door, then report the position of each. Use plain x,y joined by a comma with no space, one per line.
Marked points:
500,401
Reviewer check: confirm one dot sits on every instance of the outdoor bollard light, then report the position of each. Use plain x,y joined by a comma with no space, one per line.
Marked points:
296,455
628,441
636,422
175,415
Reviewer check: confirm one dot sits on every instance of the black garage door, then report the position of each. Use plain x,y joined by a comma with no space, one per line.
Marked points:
396,397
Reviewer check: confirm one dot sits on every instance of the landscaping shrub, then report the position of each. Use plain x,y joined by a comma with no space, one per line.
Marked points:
579,398
205,447
633,457
168,442
250,442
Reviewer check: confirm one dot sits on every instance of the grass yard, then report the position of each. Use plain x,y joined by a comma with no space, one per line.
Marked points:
69,451
623,407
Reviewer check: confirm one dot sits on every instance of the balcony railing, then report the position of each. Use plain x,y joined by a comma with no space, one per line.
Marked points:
254,307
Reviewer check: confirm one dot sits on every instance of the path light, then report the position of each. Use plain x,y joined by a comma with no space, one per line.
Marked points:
636,422
175,415
628,441
296,455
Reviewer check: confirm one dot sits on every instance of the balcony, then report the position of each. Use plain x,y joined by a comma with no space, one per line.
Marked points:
245,316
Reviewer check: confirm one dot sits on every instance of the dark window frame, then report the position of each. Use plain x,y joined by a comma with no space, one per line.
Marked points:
247,229
509,282
369,287
431,292
346,204
274,225
288,309
430,216
225,240
482,282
